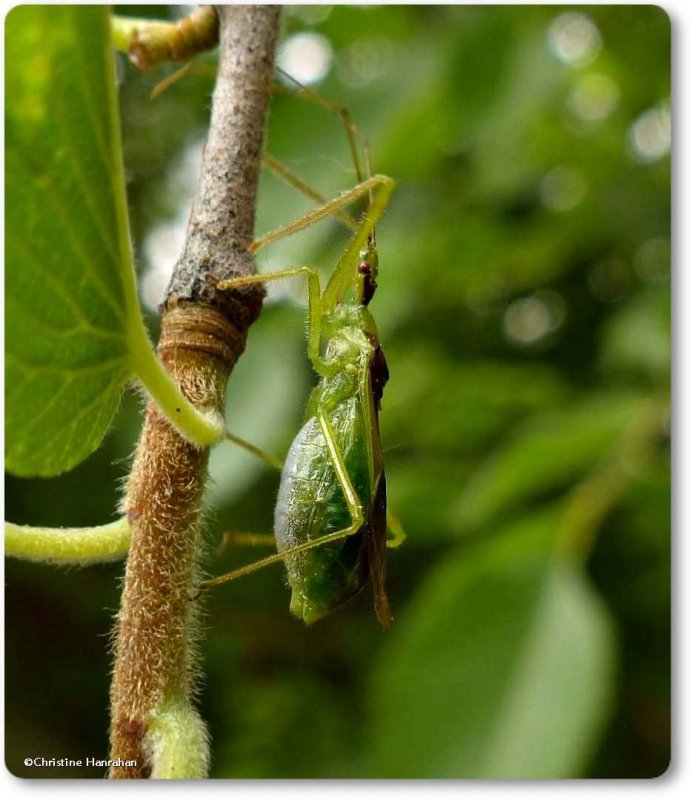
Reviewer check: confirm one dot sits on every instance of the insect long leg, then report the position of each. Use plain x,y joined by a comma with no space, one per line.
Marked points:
296,182
165,83
352,131
247,540
398,534
355,508
329,209
248,569
314,306
272,461
353,504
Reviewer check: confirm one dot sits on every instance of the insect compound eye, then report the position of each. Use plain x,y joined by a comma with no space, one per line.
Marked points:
364,268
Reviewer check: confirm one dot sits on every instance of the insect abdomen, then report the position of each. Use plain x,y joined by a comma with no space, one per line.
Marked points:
311,504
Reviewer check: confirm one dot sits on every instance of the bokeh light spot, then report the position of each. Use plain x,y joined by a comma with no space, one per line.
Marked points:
649,135
307,57
574,39
162,247
527,320
164,242
310,15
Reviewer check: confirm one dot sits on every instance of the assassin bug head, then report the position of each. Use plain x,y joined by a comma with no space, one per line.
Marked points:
367,272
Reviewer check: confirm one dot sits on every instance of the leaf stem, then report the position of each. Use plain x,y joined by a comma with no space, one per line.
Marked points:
200,427
69,546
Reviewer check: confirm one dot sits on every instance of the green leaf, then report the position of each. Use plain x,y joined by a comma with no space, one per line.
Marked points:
547,454
69,276
501,669
75,334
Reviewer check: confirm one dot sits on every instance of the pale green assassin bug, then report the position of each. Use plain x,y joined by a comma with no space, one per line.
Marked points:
330,518
331,512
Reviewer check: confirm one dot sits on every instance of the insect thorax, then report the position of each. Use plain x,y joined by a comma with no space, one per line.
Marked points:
349,320
350,346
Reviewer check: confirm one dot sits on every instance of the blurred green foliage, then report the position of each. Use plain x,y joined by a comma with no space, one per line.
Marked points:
524,309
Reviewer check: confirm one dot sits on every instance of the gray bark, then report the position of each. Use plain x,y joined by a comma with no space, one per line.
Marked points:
221,223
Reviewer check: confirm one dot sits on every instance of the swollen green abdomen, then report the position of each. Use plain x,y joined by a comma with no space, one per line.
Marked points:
311,504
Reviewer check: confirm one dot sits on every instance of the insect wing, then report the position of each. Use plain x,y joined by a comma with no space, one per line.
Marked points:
376,518
376,540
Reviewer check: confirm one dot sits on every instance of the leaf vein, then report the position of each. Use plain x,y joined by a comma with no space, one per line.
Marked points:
80,255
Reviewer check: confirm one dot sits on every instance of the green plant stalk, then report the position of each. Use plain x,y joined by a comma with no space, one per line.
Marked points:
68,546
200,426
177,743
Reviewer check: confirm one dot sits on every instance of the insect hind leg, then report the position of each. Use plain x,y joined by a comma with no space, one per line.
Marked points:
353,505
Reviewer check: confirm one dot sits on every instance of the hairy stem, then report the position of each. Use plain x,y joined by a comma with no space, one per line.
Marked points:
69,546
203,334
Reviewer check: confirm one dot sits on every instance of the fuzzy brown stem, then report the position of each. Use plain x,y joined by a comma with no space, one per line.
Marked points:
203,334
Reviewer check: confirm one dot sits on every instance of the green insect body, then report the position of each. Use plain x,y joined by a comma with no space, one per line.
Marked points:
311,503
331,513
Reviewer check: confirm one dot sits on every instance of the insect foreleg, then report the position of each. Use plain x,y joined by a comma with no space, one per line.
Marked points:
314,306
327,210
289,177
